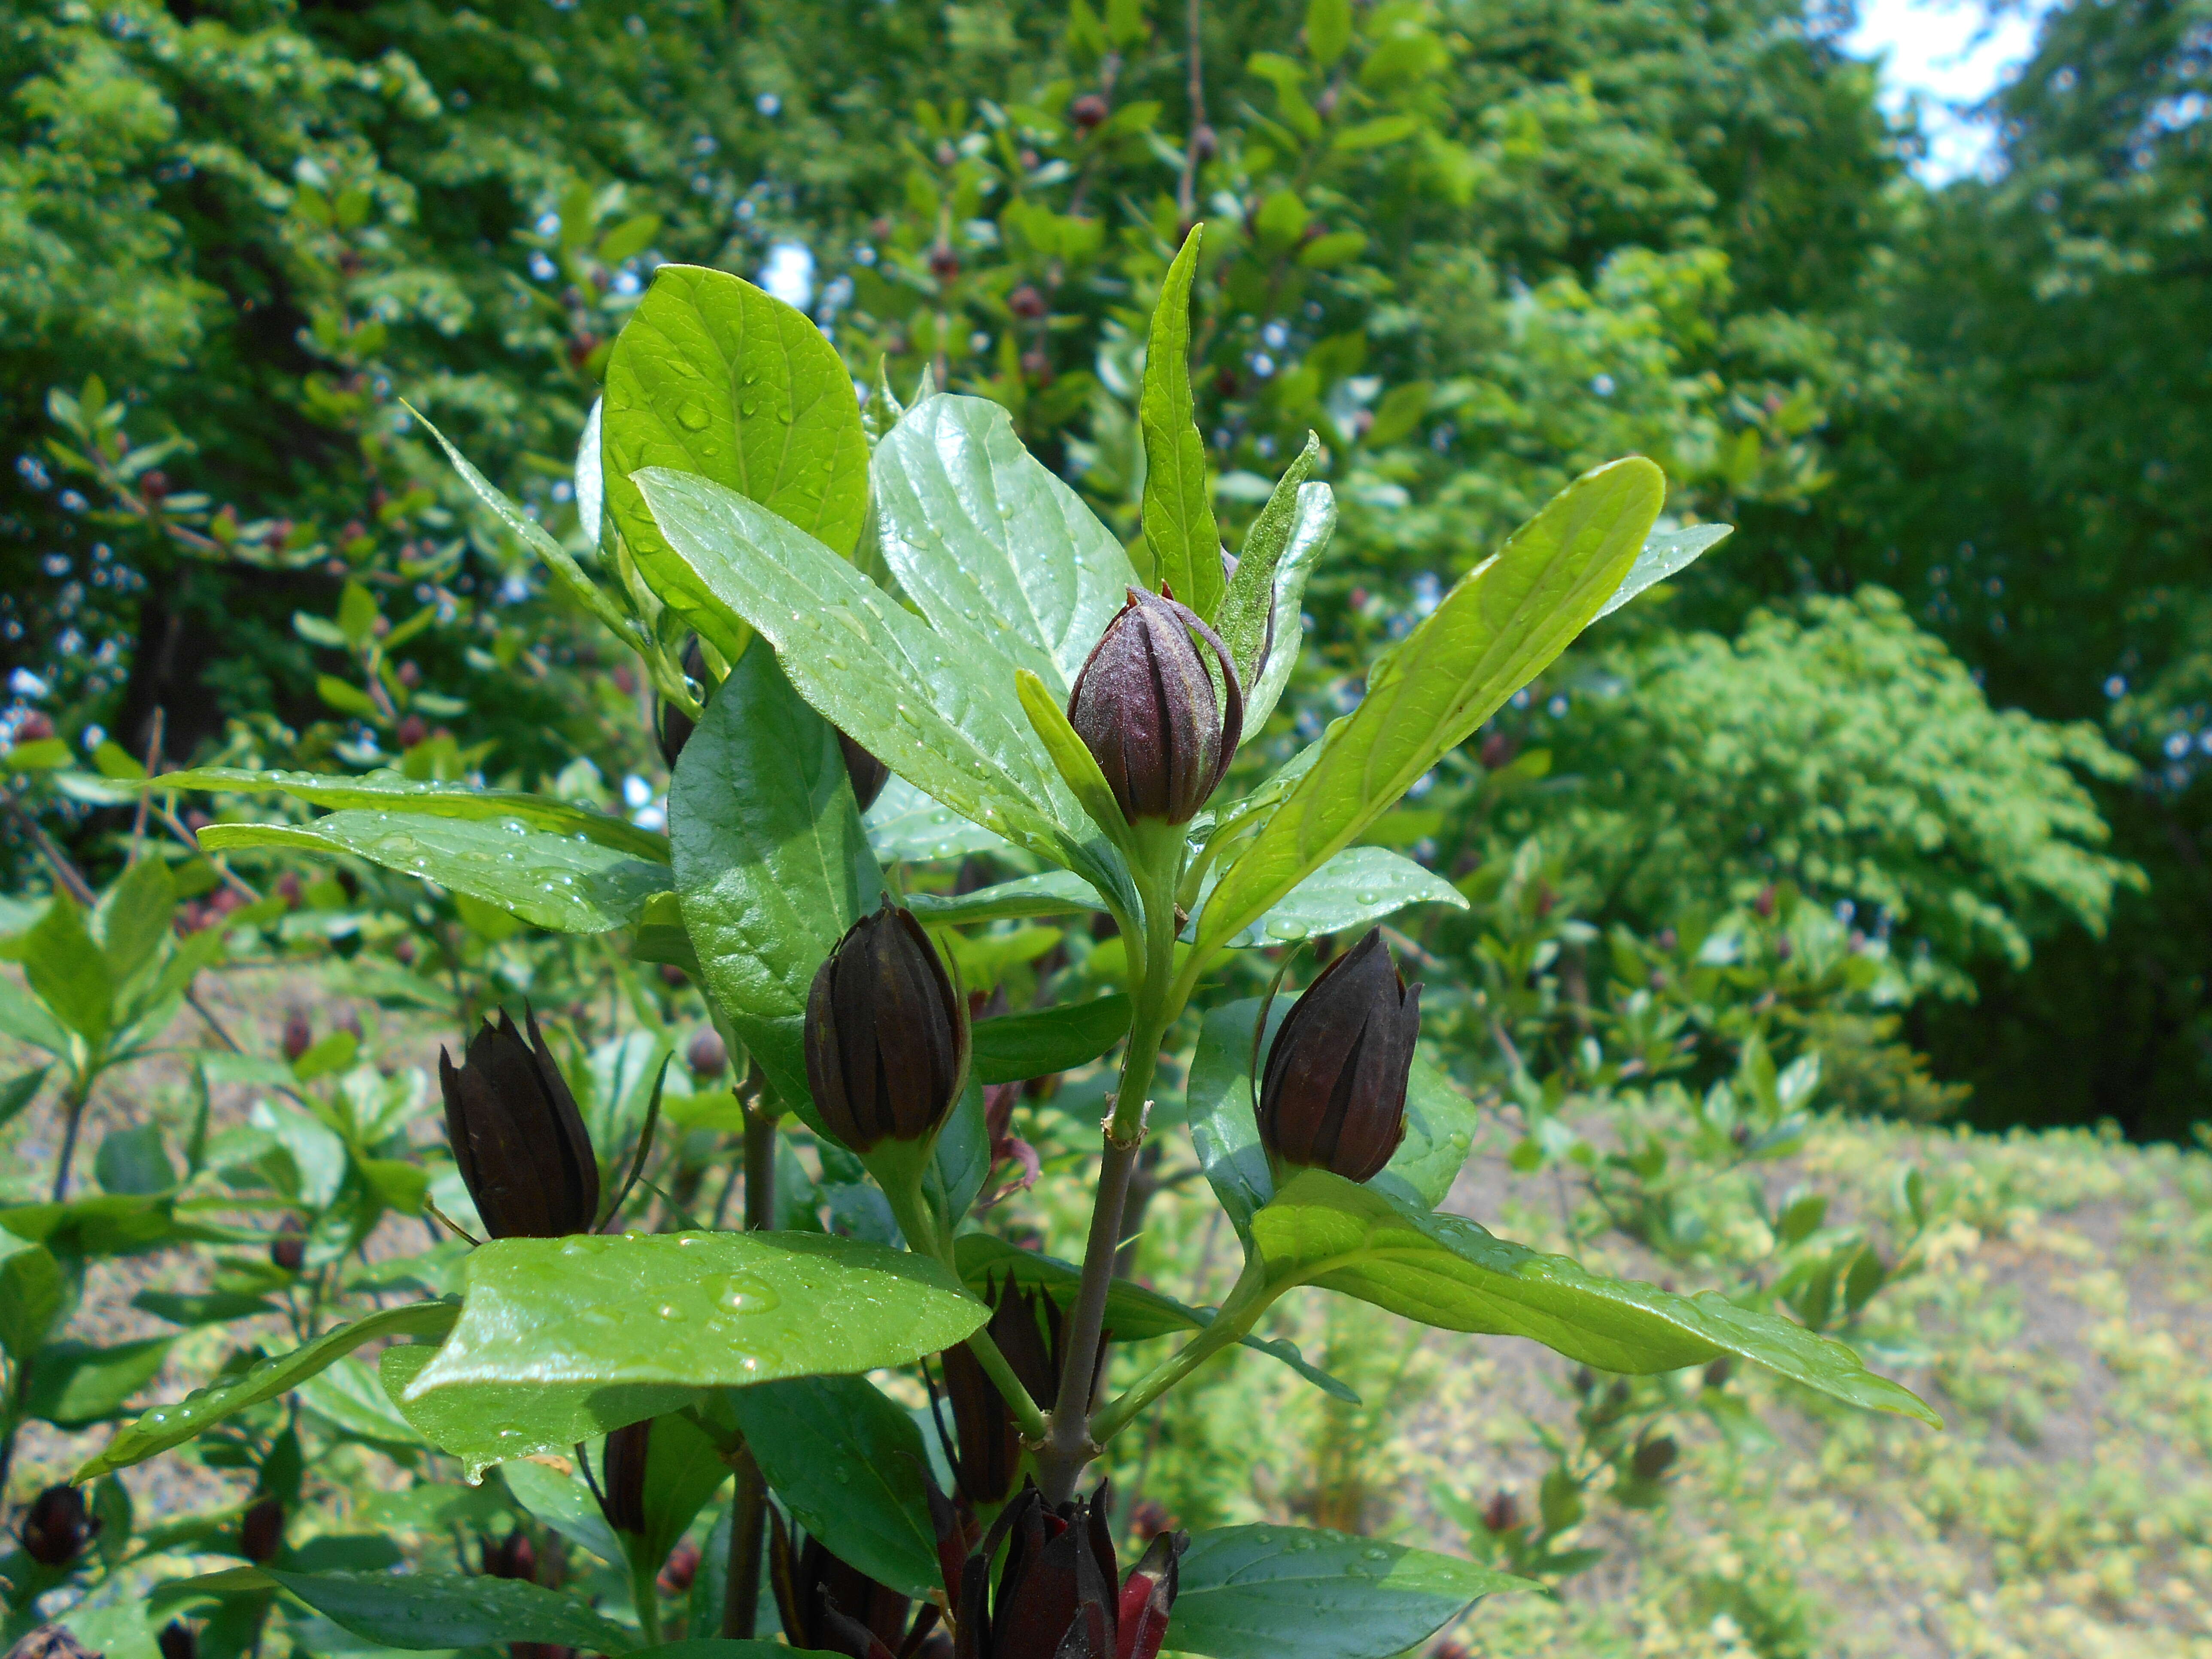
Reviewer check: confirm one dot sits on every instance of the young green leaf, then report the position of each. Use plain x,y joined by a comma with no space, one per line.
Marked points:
172,1426
711,375
1445,1271
395,791
1499,628
906,824
847,1463
1078,767
1178,509
67,971
1666,553
772,866
1054,893
490,1423
1015,1048
133,917
549,880
33,1295
1268,1592
1248,604
1359,885
984,537
435,1611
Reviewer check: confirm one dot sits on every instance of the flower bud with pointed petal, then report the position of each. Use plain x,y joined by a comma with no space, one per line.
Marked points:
518,1136
887,1034
261,1530
1333,1096
622,1476
867,774
55,1527
826,1603
1059,1596
1145,705
990,1449
178,1641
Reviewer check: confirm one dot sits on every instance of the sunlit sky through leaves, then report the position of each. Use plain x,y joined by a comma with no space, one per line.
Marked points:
1950,57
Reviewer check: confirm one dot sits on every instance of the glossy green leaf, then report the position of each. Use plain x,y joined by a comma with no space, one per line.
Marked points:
905,823
33,1295
205,1308
586,593
1495,631
1440,1120
684,1467
988,541
1180,530
1359,885
395,791
172,1426
135,1161
25,1018
559,881
712,376
1246,619
349,1396
111,1224
1445,1271
848,1465
73,1384
772,866
1665,553
1015,1048
18,1093
696,1309
1310,533
1054,893
560,1499
489,1423
430,1611
67,971
1269,1592
1072,759
949,722
134,916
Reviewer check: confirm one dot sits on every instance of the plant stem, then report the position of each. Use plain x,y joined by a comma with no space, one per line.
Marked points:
1249,1299
645,1598
1026,1412
80,1091
748,1527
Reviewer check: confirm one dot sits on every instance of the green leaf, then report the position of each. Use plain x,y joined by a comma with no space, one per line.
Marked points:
772,866
26,1019
712,376
443,1611
1054,893
1359,885
986,540
108,1225
1179,524
1268,1592
563,1502
204,1308
684,1467
951,723
849,1464
350,1397
18,1093
587,594
558,882
1496,630
395,791
74,1384
345,697
1445,1271
1015,1048
1329,30
172,1426
134,917
1249,614
905,823
697,1308
67,971
33,1294
1072,759
1440,1120
488,1423
135,1161
1665,553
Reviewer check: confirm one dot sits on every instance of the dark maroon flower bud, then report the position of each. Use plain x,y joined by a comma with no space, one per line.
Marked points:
1653,1458
1498,750
177,1641
679,1570
513,1557
289,1249
887,1034
1204,142
1764,903
521,1143
670,724
1719,1372
944,263
410,673
1026,1326
673,977
1333,1096
261,1531
1148,1518
299,1035
1058,1592
412,731
1501,1513
290,888
1145,705
622,1476
50,1642
1027,302
1036,365
34,728
868,775
1087,111
830,1605
707,1056
55,1527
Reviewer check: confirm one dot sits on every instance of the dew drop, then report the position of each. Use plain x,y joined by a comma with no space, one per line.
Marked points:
692,417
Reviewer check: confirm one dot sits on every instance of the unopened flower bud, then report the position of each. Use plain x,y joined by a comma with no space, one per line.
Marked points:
289,1249
1333,1096
1088,111
518,1136
990,1443
261,1530
299,1035
622,1476
177,1641
680,1570
1145,705
887,1034
1059,1591
1653,1458
868,775
827,1604
1501,1513
706,1055
56,1528
513,1557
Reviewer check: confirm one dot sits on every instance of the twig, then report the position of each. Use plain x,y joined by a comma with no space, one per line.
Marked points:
67,874
146,796
749,1503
